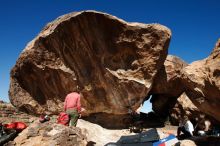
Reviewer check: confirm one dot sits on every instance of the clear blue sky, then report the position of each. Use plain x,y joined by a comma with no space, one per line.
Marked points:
195,24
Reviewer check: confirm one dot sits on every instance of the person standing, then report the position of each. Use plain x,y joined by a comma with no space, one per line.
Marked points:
72,107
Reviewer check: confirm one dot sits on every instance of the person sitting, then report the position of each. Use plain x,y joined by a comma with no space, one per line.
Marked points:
203,127
186,127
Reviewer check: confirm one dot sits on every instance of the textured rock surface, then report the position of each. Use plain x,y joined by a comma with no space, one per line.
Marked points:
202,80
112,61
48,134
184,107
167,85
168,77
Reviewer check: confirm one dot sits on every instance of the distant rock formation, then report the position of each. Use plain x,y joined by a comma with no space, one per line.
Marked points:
112,61
199,82
169,77
171,86
167,86
202,82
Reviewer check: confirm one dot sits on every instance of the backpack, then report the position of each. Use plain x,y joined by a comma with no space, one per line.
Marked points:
63,119
18,126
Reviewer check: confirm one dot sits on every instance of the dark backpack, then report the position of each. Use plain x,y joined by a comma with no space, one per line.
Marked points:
63,119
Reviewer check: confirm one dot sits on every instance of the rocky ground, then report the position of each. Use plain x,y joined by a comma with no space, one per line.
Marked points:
90,134
9,113
49,134
86,133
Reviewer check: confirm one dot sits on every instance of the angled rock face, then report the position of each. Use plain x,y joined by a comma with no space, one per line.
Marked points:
167,85
202,81
184,107
112,61
168,77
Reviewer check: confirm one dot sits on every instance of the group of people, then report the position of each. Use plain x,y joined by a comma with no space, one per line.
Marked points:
188,129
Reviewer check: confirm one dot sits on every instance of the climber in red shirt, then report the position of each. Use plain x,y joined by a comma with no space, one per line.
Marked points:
72,106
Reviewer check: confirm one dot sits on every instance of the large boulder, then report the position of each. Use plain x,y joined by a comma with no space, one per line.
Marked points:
202,82
112,62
